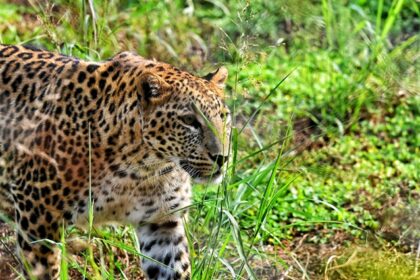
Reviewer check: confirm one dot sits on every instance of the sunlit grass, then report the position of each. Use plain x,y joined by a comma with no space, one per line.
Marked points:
367,263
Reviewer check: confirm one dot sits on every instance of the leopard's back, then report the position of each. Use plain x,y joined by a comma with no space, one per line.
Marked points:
36,96
30,85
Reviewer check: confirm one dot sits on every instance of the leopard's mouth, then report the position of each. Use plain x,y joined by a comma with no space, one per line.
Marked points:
201,176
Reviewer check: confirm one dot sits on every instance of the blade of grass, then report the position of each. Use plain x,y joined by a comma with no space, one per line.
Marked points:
64,265
236,232
392,16
91,257
272,91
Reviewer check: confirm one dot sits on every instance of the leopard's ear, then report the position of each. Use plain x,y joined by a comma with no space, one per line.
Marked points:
152,89
218,77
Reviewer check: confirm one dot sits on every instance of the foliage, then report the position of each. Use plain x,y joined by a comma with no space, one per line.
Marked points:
377,265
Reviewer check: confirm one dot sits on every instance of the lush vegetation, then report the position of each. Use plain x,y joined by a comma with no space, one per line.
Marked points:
323,180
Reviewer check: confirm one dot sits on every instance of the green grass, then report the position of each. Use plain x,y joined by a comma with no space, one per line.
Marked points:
326,109
377,265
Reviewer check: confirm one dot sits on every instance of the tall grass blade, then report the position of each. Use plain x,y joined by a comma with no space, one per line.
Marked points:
392,16
236,232
272,91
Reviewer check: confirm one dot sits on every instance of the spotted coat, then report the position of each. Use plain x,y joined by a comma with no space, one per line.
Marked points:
129,132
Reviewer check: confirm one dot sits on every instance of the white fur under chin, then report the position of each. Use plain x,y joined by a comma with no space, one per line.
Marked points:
213,180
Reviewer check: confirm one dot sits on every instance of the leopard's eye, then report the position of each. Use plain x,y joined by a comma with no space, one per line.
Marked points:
191,120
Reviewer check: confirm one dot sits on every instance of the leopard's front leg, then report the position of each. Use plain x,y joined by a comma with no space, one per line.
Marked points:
40,202
40,260
166,243
39,255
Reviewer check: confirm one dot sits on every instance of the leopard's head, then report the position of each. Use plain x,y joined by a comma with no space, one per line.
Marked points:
186,120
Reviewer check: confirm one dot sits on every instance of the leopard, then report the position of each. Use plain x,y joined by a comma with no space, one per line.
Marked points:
122,141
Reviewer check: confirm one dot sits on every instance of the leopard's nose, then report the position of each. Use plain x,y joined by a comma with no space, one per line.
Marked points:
219,159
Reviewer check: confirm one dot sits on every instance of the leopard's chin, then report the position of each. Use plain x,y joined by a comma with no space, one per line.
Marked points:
201,177
215,178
